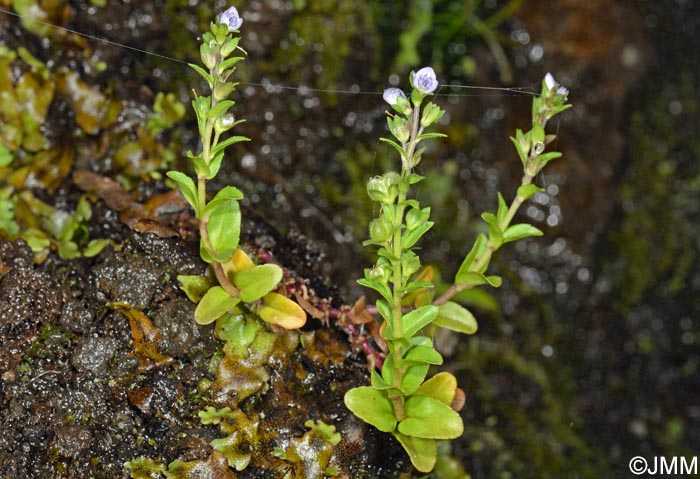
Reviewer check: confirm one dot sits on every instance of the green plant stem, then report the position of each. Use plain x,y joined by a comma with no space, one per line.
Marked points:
207,145
397,250
486,257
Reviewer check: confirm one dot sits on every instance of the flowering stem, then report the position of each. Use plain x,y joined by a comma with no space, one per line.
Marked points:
486,257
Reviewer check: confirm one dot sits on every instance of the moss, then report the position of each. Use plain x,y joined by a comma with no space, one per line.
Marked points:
655,231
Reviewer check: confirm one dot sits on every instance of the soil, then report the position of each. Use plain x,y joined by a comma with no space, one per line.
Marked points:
84,389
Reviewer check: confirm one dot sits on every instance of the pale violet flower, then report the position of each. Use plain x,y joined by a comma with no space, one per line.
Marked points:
392,95
230,18
424,80
549,81
551,84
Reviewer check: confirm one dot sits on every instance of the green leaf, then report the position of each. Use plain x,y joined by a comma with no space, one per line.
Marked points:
425,136
457,318
377,380
214,165
187,188
227,142
226,64
202,72
521,151
381,288
520,231
414,377
537,133
422,452
219,109
430,419
477,251
547,157
200,166
410,238
214,304
529,190
442,387
413,178
282,311
502,208
94,247
423,354
473,278
417,319
226,193
495,232
384,310
395,145
194,286
6,155
223,223
372,406
256,282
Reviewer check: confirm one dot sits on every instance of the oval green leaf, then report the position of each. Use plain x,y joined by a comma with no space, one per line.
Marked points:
224,229
430,419
372,406
422,452
442,387
457,318
194,286
282,311
256,282
519,231
214,304
417,319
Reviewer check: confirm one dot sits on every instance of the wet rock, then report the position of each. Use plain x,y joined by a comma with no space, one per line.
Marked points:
14,254
70,440
181,335
76,316
129,279
94,356
26,294
172,254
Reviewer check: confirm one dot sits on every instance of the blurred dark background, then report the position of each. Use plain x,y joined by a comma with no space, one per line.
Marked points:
589,353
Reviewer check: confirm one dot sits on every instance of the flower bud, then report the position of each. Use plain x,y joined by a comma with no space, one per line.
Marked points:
392,95
431,114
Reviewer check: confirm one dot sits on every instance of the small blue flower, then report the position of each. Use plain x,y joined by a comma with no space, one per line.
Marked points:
562,91
392,95
230,18
424,80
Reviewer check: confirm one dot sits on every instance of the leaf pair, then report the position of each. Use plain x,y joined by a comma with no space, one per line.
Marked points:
428,416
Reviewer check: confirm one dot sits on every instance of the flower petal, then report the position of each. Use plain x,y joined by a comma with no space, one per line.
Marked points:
425,81
392,95
230,18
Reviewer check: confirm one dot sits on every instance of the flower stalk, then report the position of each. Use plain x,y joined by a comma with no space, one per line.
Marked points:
400,400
